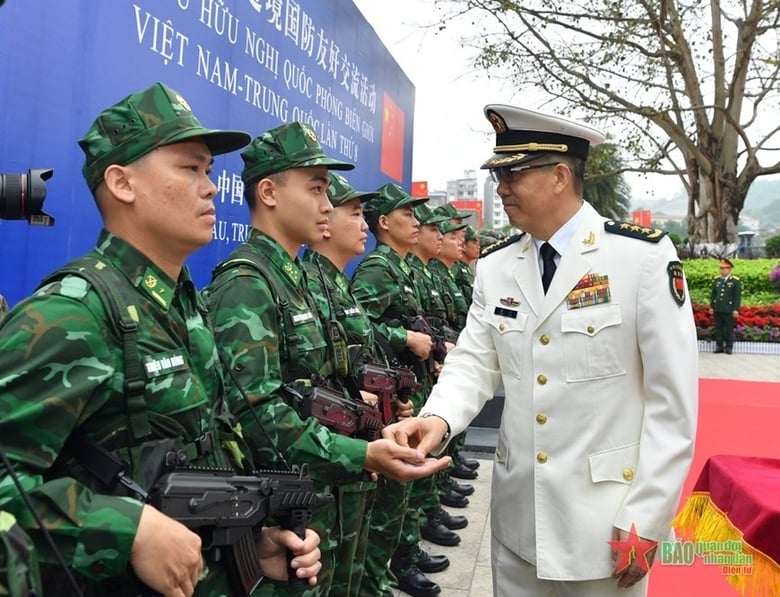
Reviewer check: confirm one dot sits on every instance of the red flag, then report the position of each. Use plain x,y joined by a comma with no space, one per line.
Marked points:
392,149
420,189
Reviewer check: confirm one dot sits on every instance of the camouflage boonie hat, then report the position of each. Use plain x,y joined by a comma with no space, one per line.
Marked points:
144,121
448,226
471,234
449,211
341,192
390,197
427,217
292,145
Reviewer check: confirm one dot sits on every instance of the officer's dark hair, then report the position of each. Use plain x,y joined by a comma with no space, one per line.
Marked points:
279,178
577,167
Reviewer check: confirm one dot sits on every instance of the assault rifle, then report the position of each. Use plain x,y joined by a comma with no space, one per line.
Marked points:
225,509
387,384
418,323
346,417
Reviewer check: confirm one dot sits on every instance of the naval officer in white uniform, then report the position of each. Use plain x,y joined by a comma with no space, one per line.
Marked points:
588,324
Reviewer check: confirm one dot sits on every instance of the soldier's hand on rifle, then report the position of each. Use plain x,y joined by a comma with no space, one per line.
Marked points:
449,346
272,549
165,555
401,463
403,410
369,397
419,343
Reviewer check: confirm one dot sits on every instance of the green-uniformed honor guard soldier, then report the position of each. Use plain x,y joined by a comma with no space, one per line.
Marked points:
73,387
725,299
384,285
323,264
266,322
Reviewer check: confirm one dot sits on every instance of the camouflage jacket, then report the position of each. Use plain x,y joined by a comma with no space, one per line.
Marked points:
267,326
461,305
62,369
384,286
434,299
330,289
464,278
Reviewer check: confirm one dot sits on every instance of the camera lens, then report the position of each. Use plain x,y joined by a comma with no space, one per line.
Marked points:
22,195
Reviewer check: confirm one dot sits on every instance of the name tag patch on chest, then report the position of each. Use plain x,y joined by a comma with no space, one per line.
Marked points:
162,364
351,311
505,312
302,317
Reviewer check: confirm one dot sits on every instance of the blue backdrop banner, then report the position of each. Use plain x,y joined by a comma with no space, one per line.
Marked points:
241,64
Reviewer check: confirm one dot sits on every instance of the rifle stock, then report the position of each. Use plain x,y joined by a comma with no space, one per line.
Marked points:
346,417
419,323
387,384
225,509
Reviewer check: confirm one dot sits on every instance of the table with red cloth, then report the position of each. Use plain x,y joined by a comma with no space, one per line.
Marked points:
737,499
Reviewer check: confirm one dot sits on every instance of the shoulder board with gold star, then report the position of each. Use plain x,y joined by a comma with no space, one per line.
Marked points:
501,244
652,235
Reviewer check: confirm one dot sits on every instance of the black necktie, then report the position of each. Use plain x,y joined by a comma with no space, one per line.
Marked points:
548,264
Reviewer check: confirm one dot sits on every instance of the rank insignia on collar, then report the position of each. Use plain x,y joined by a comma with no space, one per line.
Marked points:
150,281
676,281
509,302
590,240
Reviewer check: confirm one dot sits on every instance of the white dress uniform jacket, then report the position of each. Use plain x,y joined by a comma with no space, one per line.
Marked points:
600,411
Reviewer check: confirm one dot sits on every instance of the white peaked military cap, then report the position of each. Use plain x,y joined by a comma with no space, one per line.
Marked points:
523,135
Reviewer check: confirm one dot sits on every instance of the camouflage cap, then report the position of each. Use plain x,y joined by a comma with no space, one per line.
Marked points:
390,197
448,226
292,145
449,211
471,234
144,121
340,191
427,217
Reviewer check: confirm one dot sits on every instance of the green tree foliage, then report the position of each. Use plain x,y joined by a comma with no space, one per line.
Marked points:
772,246
605,186
692,85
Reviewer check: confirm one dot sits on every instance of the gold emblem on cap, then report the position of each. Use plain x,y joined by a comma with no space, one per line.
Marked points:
310,133
499,124
183,102
509,158
150,281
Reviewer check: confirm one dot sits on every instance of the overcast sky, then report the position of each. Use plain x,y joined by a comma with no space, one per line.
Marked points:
451,134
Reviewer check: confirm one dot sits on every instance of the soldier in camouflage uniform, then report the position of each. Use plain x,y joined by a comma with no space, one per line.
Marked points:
462,274
444,266
383,283
266,321
439,311
63,369
324,263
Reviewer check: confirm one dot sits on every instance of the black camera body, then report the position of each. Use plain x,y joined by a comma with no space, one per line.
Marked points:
22,196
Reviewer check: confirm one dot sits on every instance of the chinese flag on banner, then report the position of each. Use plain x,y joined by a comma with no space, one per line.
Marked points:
420,189
392,149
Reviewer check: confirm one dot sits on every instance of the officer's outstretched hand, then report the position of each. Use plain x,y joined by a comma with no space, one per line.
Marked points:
402,463
272,549
165,555
423,433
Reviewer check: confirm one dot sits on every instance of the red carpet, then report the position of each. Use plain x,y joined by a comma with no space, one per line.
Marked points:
735,417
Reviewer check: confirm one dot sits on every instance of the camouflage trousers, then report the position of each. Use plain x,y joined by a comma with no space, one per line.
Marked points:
355,511
386,523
